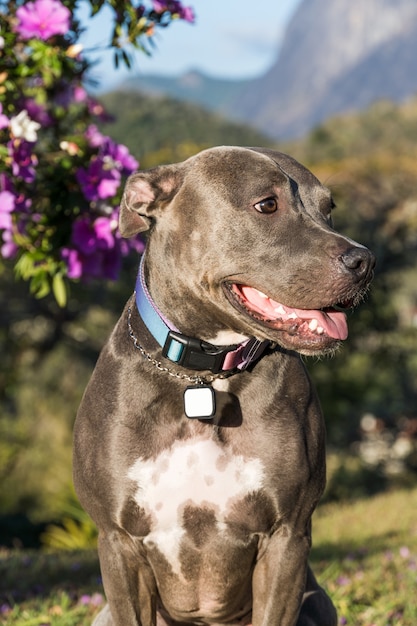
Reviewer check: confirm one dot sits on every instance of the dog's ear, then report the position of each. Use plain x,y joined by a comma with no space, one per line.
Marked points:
145,193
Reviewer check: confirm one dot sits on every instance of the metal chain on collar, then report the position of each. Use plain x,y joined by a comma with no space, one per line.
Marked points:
181,376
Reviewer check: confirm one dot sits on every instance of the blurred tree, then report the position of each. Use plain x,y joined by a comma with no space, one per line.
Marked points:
376,204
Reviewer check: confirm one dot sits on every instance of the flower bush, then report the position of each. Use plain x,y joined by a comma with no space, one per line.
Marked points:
60,178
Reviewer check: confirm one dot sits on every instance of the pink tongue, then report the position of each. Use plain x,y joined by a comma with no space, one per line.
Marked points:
333,322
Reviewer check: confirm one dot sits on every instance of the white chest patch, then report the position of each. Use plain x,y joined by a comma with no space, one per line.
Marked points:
197,472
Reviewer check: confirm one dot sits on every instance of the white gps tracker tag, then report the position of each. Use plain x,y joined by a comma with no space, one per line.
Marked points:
199,402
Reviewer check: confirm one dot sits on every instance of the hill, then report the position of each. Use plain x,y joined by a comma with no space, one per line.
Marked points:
335,58
215,94
161,130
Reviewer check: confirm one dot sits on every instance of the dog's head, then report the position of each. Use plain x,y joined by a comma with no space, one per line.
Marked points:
241,239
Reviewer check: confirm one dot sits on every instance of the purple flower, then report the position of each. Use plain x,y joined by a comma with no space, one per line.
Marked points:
95,250
23,161
174,7
188,15
42,19
37,112
73,261
101,264
104,229
5,609
121,157
118,153
99,180
90,236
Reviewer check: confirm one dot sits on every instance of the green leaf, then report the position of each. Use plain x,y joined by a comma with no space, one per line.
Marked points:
39,285
24,266
59,289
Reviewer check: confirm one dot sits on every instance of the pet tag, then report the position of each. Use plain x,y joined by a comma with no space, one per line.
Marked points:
199,401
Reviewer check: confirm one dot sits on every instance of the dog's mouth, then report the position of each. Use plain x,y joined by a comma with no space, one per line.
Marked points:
310,330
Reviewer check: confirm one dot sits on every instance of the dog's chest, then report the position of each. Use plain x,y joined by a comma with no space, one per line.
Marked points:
196,486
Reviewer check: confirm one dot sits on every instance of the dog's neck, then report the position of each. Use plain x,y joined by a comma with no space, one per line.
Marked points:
190,352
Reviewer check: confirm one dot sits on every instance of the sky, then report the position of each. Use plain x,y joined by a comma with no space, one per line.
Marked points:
230,39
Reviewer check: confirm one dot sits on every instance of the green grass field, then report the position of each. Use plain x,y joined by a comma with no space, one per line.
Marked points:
364,553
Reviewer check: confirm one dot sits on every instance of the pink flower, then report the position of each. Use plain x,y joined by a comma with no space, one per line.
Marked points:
7,206
95,600
42,19
94,137
405,552
9,248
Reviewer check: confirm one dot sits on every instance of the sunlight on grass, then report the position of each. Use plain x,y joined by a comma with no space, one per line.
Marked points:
49,589
364,553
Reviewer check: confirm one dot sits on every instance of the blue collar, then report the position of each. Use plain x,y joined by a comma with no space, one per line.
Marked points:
190,352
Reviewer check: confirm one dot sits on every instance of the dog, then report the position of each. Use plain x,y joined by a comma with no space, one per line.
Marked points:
199,445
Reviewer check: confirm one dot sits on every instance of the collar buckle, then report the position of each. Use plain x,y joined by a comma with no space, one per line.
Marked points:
195,353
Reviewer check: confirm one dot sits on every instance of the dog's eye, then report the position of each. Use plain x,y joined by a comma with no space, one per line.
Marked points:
269,205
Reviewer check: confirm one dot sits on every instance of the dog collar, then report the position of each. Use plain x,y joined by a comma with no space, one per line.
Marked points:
190,352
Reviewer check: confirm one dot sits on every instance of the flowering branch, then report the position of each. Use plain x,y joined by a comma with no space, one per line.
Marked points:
60,178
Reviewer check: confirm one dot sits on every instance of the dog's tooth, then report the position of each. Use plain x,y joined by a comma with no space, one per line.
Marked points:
261,294
320,330
292,316
280,309
313,324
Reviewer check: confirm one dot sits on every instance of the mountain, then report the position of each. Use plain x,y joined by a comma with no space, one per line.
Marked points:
335,57
212,93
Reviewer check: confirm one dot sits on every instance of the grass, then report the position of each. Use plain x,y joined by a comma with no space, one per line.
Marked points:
364,553
49,589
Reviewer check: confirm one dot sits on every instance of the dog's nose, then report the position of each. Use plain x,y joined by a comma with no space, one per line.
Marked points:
359,261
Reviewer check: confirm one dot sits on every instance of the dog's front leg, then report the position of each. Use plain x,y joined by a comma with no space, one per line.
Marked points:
279,579
128,582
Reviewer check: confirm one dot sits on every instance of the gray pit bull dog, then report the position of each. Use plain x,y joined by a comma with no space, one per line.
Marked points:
199,443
